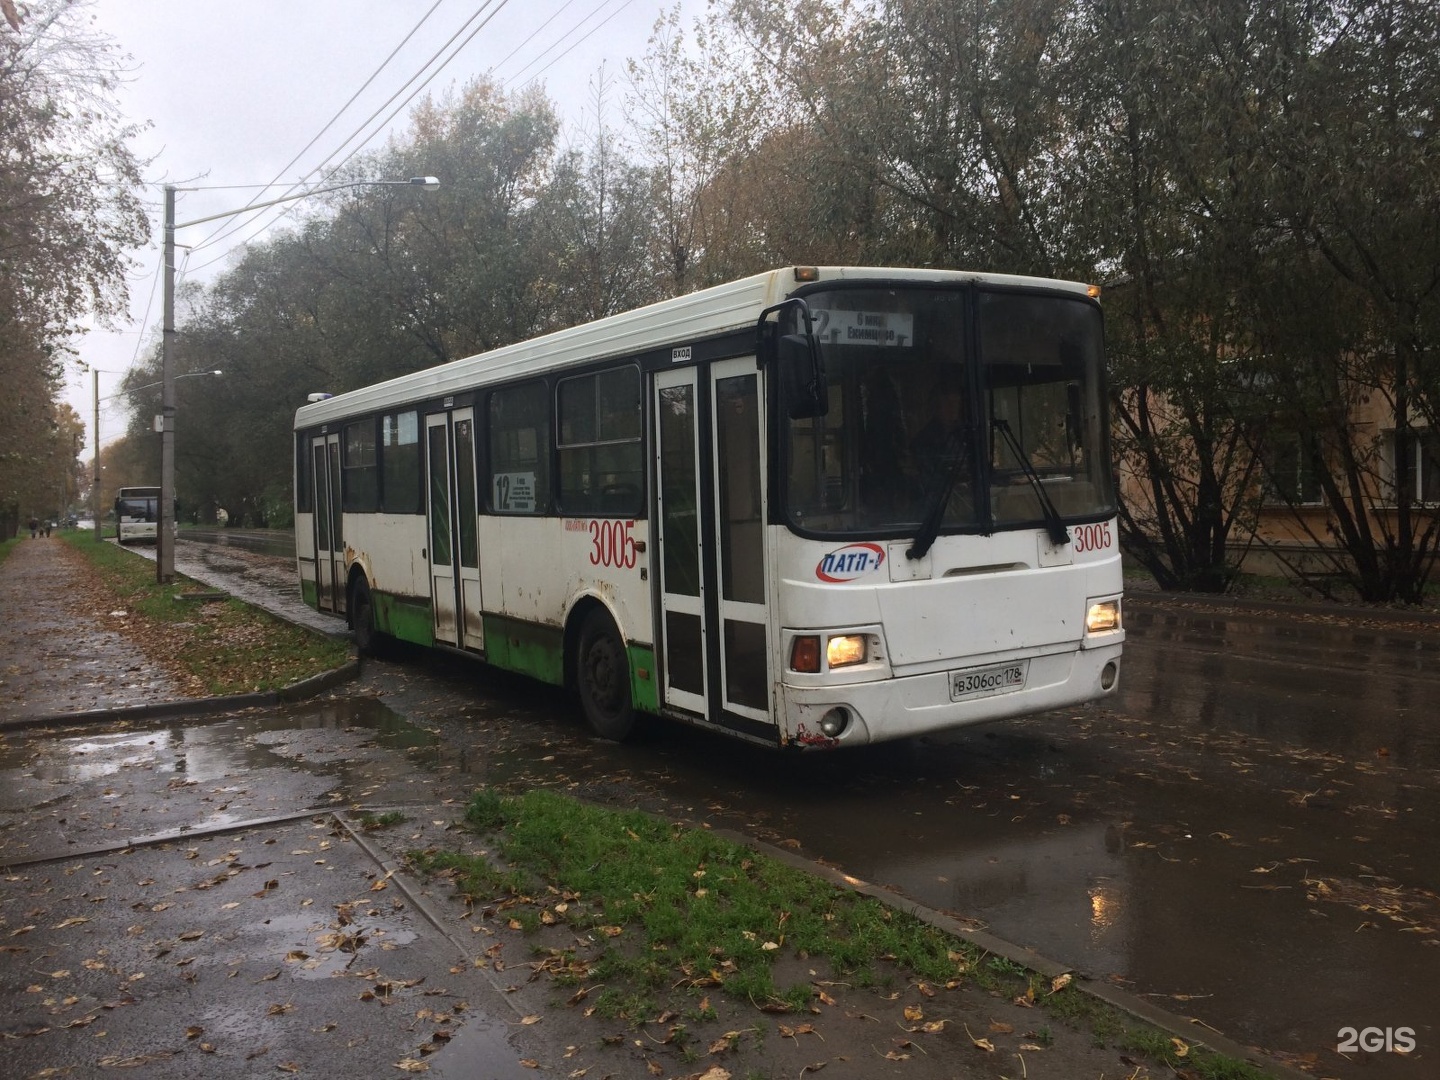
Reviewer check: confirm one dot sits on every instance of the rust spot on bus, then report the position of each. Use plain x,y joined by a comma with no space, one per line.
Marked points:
814,740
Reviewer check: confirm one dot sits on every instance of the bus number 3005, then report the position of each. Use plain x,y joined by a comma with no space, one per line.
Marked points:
1092,537
611,544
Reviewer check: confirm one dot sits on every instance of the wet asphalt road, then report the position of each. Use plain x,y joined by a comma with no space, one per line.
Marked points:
1245,834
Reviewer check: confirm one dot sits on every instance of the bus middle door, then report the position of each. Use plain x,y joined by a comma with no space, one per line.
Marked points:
454,554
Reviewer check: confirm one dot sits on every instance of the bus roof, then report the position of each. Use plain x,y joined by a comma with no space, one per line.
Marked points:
733,306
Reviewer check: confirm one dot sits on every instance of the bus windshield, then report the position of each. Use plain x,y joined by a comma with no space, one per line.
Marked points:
964,409
138,507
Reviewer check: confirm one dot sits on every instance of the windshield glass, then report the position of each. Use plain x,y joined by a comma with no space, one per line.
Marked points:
137,509
918,381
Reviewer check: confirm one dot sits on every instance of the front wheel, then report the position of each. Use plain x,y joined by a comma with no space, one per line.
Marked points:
602,678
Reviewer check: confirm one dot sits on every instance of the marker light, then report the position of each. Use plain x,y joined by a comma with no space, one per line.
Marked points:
844,650
805,654
1103,616
807,273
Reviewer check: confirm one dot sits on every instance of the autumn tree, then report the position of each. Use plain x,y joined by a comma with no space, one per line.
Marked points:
68,212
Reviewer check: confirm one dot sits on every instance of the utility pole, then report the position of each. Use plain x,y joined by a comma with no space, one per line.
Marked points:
165,530
95,479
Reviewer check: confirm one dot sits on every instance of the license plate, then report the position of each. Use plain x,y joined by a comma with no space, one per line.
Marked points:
982,682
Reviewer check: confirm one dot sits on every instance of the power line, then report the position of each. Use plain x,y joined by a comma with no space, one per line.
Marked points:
383,123
559,41
339,113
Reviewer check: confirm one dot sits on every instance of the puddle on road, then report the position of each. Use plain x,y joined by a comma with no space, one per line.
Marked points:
172,777
206,751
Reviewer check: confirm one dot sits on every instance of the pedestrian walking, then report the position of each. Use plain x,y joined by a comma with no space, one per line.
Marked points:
34,527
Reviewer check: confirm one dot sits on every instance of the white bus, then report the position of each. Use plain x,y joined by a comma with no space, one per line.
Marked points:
137,510
815,507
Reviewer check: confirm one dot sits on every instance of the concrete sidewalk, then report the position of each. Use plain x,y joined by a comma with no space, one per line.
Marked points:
64,653
62,650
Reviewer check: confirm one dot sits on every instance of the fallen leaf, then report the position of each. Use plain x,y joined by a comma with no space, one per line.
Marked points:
914,1013
1060,982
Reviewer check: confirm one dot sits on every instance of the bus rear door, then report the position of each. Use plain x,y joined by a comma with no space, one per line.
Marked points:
329,546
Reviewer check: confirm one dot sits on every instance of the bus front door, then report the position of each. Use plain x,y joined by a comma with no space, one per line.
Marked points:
454,549
329,544
711,496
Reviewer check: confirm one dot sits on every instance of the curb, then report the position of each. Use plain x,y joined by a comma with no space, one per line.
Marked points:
206,706
1181,1027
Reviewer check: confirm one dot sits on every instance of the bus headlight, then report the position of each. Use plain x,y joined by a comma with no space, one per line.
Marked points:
1102,616
844,650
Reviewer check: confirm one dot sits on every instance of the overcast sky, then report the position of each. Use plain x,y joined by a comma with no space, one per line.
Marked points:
234,91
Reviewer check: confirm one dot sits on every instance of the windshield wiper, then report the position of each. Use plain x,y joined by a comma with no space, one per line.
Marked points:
1059,534
930,527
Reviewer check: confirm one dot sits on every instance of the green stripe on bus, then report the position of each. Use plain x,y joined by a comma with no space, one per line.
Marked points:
527,648
644,694
404,618
309,593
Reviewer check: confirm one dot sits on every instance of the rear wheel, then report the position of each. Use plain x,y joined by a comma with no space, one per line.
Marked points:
602,678
369,640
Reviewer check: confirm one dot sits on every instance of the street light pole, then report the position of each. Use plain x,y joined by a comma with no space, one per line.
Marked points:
165,538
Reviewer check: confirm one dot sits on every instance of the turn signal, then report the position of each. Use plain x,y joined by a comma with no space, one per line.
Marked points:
805,654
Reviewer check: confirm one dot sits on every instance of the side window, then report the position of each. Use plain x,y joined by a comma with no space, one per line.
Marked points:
360,487
400,463
520,450
599,443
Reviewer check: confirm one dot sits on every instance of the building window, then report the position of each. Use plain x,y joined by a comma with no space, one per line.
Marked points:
599,443
520,450
1292,473
1422,450
361,484
400,463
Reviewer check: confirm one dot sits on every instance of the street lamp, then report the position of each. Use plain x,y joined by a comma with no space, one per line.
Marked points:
95,479
164,538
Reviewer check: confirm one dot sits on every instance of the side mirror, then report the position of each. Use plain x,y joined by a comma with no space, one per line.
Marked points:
802,377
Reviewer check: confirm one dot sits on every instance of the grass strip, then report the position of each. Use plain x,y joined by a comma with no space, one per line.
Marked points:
219,648
680,911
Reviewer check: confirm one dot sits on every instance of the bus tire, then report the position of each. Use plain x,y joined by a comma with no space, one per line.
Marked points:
369,640
602,678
